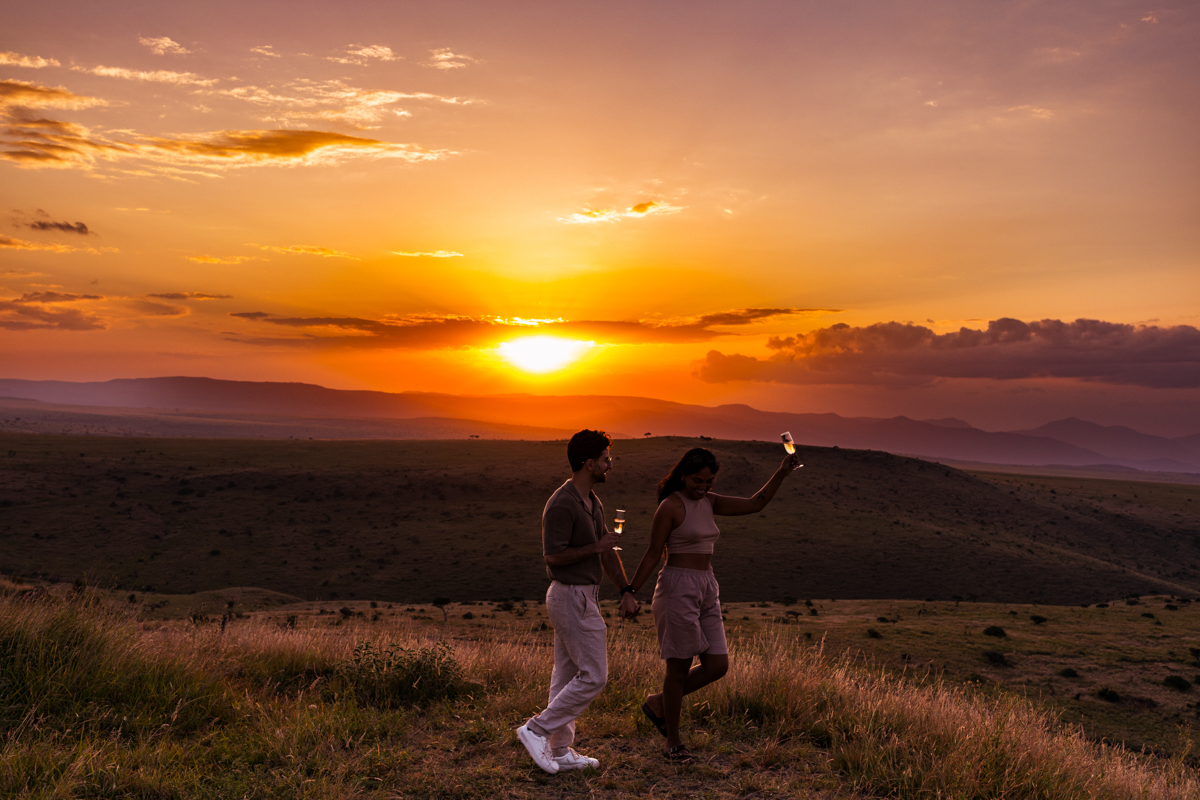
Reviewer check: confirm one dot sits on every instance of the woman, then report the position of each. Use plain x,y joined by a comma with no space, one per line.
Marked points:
686,606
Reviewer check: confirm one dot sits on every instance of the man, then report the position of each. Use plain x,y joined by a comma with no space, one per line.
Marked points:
577,547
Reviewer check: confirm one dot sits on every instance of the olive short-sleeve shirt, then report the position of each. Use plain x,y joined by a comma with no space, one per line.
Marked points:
566,523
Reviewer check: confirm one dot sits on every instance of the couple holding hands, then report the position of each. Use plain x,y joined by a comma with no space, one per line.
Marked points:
578,549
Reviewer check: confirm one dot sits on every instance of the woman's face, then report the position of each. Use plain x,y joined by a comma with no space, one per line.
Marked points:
697,484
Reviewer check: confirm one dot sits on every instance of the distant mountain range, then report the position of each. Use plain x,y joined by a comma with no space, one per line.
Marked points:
215,408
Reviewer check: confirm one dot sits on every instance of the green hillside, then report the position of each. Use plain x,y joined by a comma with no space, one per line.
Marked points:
411,520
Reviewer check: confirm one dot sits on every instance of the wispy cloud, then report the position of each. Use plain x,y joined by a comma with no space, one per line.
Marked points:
434,254
31,95
40,142
20,244
220,259
155,76
307,250
638,210
265,50
333,100
11,59
25,315
164,45
431,331
190,296
359,55
65,227
1008,349
55,297
445,58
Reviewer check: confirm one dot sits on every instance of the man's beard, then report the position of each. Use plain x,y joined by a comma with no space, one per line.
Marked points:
601,477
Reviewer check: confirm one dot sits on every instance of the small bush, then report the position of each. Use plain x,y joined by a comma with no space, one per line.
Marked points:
873,634
1037,619
1109,695
1178,683
1068,672
995,657
394,676
994,630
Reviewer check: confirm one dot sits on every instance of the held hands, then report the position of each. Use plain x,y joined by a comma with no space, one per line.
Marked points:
630,607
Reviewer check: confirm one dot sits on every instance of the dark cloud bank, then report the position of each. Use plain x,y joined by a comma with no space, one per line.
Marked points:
1008,349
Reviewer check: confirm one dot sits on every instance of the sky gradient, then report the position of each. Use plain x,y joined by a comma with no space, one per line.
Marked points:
987,211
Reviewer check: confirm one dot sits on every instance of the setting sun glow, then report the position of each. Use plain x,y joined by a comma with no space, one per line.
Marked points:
542,354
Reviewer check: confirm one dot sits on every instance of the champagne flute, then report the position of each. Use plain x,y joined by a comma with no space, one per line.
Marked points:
620,523
789,445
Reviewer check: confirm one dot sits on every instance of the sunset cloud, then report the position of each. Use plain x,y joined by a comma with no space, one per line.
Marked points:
644,209
359,55
11,59
1008,349
20,244
26,316
52,143
55,297
430,331
220,259
265,50
190,296
434,254
65,227
332,100
155,76
31,95
445,58
164,45
306,250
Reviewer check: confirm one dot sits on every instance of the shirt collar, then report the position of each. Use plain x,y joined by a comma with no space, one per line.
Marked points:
575,493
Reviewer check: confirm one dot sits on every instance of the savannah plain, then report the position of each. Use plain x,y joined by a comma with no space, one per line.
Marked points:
898,628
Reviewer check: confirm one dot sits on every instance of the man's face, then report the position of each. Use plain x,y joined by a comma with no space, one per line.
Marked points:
600,466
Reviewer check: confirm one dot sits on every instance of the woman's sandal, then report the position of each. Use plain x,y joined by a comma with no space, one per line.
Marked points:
659,722
679,754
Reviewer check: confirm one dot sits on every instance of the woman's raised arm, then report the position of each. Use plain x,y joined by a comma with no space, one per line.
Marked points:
736,506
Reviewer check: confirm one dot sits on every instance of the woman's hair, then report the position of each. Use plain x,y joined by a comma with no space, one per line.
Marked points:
692,462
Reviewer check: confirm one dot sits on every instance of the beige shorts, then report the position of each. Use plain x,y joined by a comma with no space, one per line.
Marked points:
687,613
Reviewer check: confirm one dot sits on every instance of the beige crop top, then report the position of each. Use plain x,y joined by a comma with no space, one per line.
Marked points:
699,530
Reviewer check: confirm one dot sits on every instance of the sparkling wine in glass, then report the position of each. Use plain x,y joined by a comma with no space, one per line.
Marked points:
788,444
620,523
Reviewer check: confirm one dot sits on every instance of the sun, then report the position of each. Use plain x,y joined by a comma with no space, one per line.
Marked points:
542,354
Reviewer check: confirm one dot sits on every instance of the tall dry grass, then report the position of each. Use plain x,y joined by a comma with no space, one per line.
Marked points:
90,699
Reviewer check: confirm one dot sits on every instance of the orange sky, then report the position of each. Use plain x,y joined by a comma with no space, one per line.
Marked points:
378,196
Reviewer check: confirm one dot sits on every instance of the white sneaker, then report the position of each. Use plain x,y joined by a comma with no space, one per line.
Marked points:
539,749
573,760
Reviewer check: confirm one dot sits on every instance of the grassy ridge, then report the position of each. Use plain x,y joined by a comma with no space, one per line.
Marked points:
787,721
409,521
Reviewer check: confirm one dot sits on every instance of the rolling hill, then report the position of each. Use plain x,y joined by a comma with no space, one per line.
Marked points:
206,407
412,520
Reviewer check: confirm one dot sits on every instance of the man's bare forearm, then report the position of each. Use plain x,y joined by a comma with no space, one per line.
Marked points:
573,555
613,568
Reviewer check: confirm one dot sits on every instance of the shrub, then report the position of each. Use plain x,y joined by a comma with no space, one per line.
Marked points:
1178,683
994,630
394,676
1068,672
995,657
873,634
1037,619
1109,695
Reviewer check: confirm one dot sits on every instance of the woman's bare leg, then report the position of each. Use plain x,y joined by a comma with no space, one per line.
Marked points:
680,680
